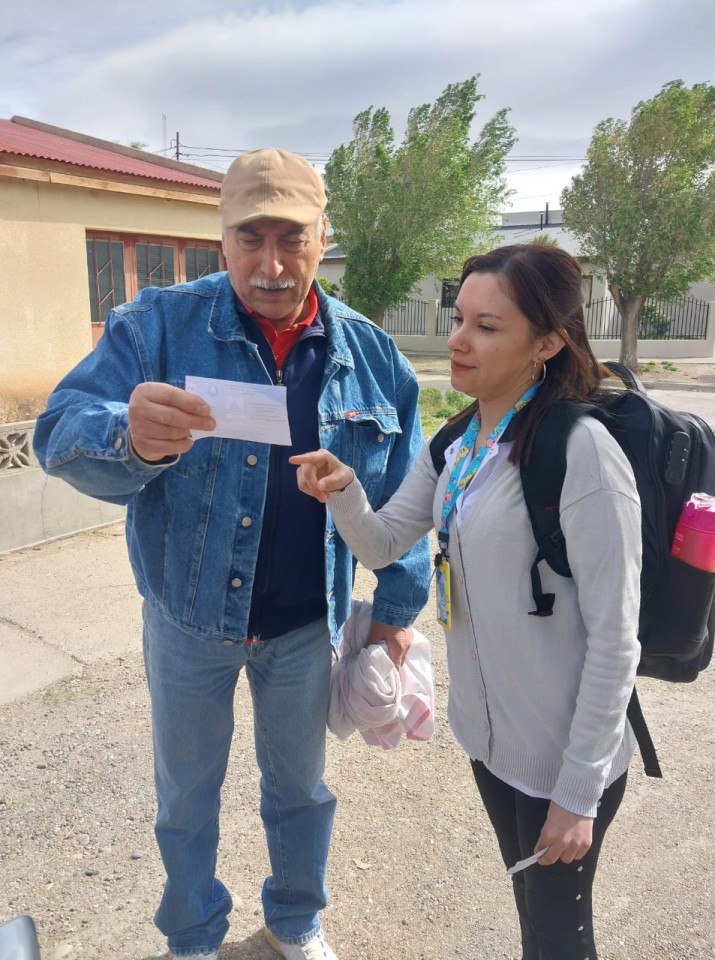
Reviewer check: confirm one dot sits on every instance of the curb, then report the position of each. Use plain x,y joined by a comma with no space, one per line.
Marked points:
691,385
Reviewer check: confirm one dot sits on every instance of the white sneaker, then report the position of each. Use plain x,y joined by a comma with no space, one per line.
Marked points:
315,949
196,956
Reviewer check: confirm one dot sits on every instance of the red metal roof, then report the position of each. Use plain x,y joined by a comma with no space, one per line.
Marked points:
25,141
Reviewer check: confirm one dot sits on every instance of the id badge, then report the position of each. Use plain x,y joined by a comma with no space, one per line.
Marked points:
444,603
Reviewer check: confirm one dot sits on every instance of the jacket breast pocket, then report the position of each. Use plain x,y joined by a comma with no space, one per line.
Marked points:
204,455
366,440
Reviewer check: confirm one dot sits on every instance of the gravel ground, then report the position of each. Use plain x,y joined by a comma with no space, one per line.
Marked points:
414,872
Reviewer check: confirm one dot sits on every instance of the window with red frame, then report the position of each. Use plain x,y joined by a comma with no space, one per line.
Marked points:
120,265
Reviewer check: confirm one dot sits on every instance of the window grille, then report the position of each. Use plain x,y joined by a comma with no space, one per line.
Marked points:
155,265
201,261
105,265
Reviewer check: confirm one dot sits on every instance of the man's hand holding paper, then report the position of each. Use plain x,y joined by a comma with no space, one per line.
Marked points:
161,418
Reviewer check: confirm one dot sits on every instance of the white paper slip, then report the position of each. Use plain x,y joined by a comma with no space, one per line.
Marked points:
243,411
523,864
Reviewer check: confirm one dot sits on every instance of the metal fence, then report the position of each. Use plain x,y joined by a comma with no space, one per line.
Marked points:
407,318
445,313
682,319
445,316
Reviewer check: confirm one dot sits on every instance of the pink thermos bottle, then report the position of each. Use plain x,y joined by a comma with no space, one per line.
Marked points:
694,541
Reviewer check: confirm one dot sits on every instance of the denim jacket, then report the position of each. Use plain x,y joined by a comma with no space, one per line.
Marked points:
194,523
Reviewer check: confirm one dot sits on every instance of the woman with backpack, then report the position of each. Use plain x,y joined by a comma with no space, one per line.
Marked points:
537,702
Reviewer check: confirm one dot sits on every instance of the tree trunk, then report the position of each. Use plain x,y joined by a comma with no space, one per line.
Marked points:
378,316
629,308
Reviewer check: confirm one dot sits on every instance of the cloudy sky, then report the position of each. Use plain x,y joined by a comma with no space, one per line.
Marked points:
232,75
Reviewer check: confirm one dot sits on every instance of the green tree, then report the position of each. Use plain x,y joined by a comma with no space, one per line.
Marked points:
653,324
644,204
332,289
545,239
401,212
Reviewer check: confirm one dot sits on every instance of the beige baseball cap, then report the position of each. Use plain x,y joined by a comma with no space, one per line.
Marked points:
271,183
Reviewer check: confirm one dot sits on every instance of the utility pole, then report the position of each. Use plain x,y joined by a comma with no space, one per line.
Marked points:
177,144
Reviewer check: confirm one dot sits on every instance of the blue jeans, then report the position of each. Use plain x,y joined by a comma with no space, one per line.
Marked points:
191,684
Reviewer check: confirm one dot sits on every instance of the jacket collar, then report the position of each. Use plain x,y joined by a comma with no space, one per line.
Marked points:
224,319
333,311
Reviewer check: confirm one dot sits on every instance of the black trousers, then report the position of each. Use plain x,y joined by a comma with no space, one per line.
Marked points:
554,903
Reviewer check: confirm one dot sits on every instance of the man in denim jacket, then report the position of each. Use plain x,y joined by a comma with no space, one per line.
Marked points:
237,568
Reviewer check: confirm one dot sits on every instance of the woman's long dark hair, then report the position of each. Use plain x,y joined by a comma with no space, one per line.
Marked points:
544,282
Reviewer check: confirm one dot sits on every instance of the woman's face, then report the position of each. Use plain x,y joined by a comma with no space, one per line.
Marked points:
491,346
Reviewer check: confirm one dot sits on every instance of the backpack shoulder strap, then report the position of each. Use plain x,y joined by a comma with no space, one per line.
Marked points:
630,379
445,437
542,477
648,753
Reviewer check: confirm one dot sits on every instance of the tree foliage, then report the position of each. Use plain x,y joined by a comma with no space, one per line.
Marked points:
644,204
332,289
402,212
545,239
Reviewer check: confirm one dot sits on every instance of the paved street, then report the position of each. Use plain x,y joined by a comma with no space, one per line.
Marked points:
697,400
694,401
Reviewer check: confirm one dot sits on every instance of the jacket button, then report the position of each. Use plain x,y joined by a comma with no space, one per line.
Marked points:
237,582
481,693
228,643
474,654
380,437
246,522
485,755
118,443
251,459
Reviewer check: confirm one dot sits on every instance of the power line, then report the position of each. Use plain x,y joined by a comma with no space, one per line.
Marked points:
560,163
319,157
209,156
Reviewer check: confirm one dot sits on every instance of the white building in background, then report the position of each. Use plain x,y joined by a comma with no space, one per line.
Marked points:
522,227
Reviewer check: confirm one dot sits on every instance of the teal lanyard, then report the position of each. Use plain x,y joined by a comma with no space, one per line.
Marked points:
456,483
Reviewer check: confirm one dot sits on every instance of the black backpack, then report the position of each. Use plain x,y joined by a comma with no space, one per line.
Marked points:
672,455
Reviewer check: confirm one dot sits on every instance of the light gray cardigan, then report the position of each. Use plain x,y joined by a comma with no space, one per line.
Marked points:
541,700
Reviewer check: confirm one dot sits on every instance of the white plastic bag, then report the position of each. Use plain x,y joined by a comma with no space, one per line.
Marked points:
368,693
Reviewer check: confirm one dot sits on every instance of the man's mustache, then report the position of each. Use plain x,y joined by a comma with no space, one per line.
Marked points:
283,283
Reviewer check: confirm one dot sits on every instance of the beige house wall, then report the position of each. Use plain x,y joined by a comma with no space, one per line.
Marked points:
102,206
44,311
44,292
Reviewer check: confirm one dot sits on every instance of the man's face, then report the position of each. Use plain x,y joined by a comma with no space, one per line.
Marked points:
272,263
